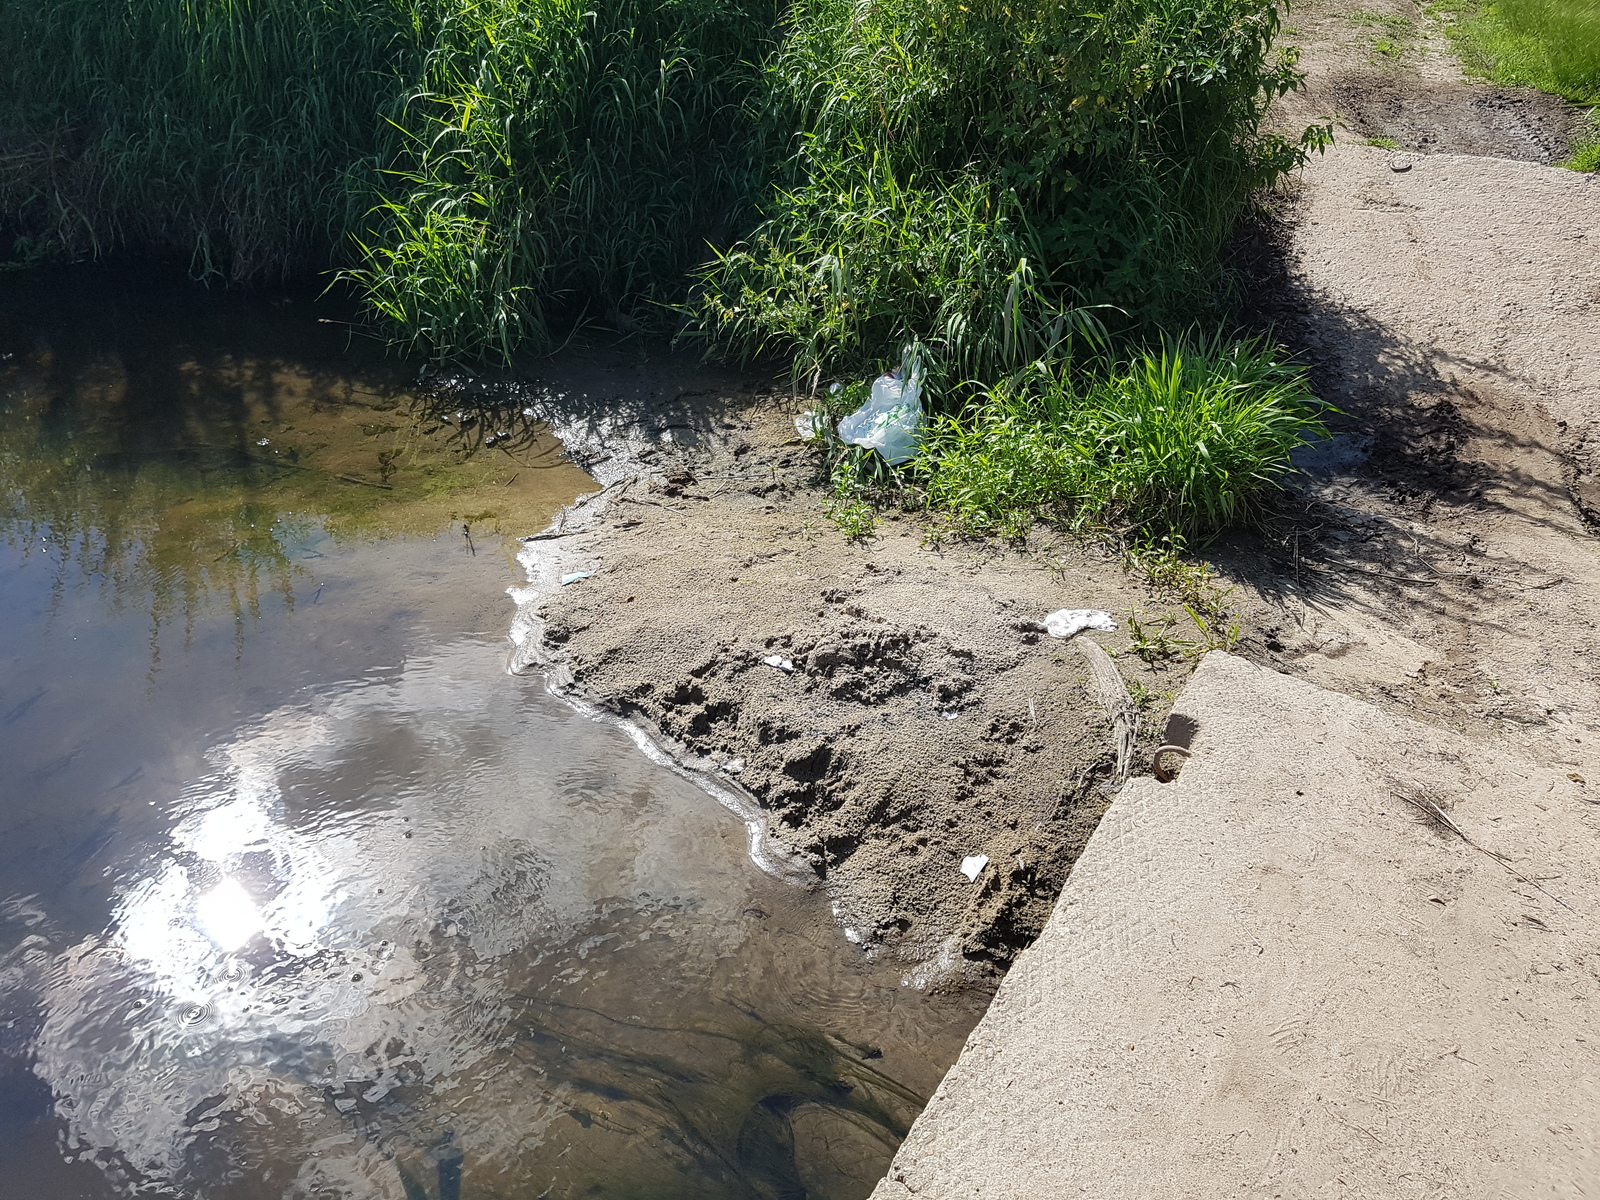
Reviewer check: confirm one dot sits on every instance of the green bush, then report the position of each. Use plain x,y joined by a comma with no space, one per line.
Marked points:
1173,443
1552,45
964,175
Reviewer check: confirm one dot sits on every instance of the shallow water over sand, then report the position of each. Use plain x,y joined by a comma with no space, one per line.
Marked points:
301,895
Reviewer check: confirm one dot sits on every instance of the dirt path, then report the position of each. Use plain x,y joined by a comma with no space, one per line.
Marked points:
1385,70
1450,305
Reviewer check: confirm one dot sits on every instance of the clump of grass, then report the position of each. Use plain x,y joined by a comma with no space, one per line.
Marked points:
1552,45
967,174
1396,34
1584,153
1176,442
1164,638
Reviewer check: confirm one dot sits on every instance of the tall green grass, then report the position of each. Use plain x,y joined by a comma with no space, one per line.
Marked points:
221,131
480,168
561,159
964,174
1552,45
487,172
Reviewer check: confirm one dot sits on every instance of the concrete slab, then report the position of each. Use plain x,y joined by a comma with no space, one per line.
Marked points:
1275,977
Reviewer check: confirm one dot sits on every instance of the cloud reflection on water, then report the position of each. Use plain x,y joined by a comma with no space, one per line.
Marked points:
411,921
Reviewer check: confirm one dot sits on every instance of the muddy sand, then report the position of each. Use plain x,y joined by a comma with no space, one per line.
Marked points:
917,715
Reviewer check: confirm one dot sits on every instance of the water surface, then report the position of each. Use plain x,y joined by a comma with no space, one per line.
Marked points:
301,895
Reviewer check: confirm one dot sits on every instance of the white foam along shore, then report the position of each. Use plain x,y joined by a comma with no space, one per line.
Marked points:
608,450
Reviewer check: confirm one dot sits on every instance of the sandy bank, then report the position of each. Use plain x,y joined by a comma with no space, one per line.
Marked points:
917,716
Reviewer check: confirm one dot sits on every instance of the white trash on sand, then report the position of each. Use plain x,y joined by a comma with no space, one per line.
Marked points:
1065,622
972,866
575,576
810,424
777,660
890,422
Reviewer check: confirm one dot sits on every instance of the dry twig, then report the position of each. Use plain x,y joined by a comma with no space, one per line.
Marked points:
1422,800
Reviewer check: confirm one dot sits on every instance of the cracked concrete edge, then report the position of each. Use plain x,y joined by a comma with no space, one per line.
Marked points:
1272,977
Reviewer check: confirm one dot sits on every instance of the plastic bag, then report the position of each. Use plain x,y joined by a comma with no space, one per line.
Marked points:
890,422
1066,622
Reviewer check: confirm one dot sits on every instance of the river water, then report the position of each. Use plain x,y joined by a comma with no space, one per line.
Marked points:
301,894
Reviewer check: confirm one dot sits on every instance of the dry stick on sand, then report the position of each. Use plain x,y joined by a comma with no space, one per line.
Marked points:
1424,803
1115,699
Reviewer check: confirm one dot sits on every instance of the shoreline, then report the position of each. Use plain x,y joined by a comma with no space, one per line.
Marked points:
926,720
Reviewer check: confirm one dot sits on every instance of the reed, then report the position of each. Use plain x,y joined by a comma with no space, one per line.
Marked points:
222,131
966,174
561,161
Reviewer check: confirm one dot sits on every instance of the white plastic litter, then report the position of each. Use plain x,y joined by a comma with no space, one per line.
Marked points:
574,577
972,866
950,714
809,424
1068,621
890,422
783,664
734,766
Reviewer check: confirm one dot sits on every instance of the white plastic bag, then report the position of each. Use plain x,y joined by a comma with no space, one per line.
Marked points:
1066,622
890,422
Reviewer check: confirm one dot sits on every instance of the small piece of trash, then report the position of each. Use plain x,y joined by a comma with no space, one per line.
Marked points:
1576,778
810,424
1437,899
851,936
574,577
950,714
833,389
1065,622
972,866
734,766
1400,163
783,664
262,442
